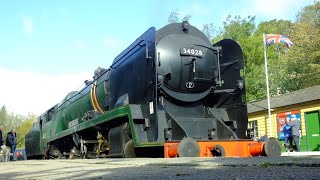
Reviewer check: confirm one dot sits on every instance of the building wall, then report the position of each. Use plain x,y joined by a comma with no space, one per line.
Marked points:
264,123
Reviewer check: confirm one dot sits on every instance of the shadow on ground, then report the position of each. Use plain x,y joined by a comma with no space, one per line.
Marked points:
192,168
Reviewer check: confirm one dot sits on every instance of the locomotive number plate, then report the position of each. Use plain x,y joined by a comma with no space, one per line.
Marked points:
191,52
73,123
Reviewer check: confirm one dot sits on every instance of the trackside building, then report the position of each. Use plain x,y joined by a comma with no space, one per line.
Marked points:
303,105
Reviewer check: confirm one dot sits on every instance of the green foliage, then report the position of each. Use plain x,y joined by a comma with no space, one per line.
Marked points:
237,28
9,120
277,66
288,69
14,121
24,128
3,115
310,14
304,57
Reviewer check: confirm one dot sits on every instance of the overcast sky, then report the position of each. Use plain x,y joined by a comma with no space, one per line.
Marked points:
48,48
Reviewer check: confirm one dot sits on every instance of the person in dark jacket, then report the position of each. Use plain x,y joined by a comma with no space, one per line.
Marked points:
1,137
287,133
295,124
12,140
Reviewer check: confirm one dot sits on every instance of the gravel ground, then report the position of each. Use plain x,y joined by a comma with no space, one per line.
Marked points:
182,168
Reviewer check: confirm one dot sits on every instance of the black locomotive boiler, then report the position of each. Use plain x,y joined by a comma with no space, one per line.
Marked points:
171,93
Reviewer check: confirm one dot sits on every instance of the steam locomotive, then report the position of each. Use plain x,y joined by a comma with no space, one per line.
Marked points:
171,93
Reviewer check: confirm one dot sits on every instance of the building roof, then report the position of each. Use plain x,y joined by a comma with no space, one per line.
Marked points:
295,97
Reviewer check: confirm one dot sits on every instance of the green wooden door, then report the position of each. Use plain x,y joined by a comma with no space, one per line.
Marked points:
313,131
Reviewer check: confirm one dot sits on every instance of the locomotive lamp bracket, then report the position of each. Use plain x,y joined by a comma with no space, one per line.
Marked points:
240,84
159,60
146,124
147,51
160,78
219,82
211,133
167,134
145,43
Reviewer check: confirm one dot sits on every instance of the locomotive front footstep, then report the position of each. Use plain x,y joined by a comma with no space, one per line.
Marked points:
189,147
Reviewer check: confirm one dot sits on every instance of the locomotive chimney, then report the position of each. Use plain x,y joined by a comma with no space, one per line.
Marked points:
185,26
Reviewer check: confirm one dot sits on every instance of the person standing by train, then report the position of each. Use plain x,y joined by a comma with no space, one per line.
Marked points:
12,143
2,146
295,125
287,132
1,137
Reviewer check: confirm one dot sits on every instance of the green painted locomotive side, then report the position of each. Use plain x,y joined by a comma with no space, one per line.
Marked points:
123,111
102,91
115,114
73,109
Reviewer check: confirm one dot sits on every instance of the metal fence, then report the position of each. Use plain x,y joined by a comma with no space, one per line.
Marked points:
4,154
18,155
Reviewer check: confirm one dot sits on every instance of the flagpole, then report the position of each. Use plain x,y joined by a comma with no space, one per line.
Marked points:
267,80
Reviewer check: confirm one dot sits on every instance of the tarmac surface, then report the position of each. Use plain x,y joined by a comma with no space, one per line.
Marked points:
292,167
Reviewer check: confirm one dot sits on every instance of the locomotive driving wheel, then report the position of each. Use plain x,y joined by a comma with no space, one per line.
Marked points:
272,147
129,150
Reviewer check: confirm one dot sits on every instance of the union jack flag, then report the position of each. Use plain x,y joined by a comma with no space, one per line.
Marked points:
277,38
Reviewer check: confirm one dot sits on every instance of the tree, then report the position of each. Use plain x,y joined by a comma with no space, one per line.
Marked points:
236,28
3,115
9,120
15,121
303,59
187,17
209,30
250,38
277,65
24,128
310,14
174,17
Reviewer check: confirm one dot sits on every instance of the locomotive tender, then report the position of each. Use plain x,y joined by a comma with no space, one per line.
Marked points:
171,93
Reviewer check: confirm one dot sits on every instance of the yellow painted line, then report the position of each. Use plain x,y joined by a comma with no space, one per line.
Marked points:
95,98
91,98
